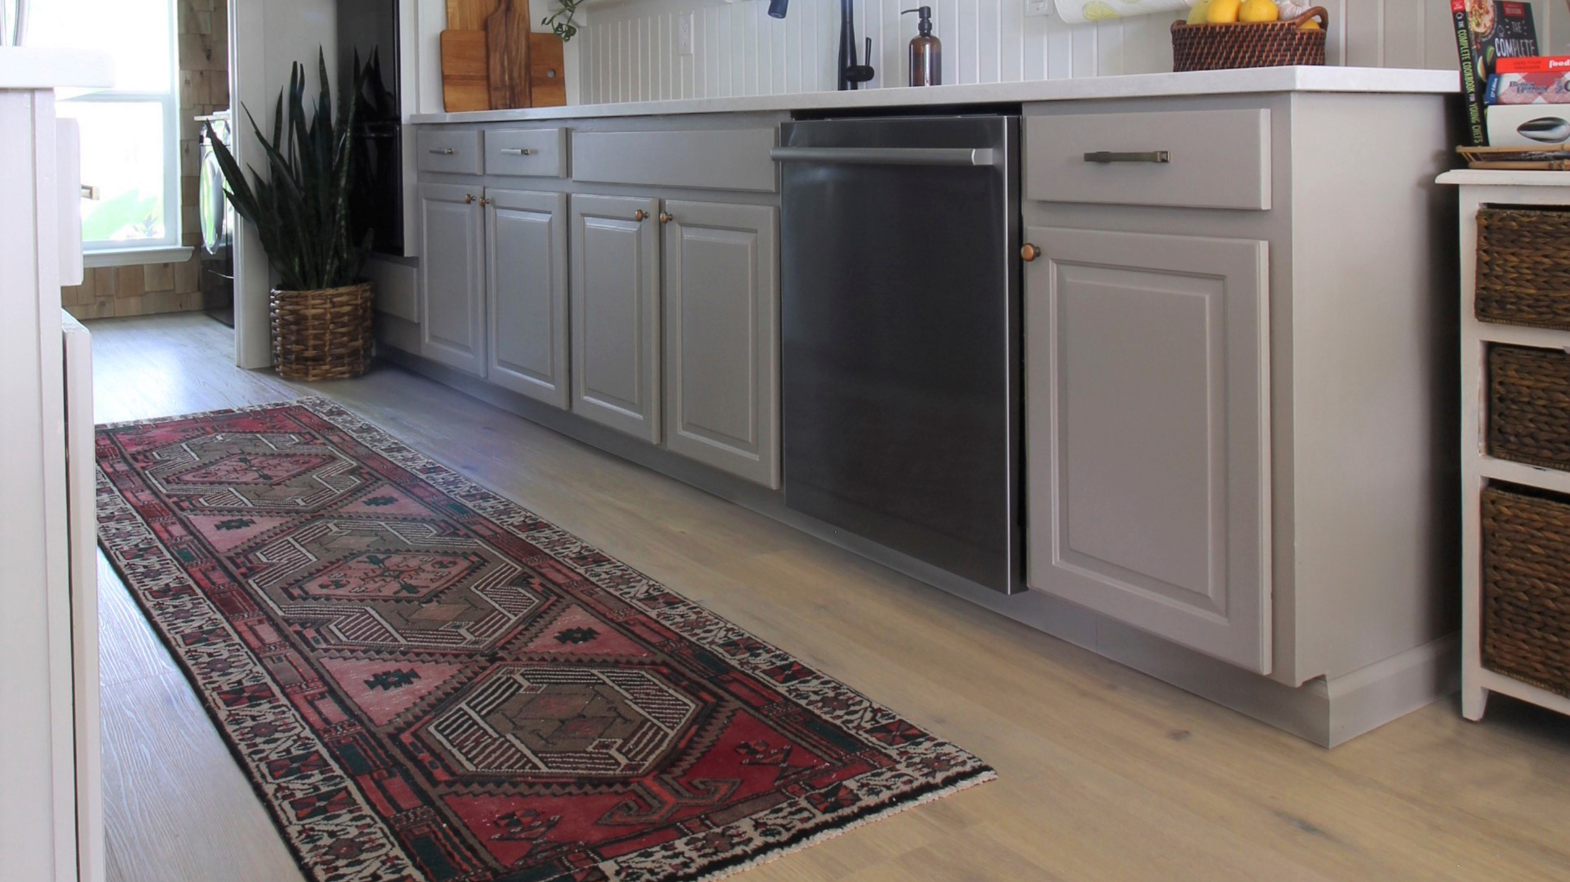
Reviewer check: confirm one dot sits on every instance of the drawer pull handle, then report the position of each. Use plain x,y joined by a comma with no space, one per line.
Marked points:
666,217
640,215
443,151
517,151
1103,157
1029,253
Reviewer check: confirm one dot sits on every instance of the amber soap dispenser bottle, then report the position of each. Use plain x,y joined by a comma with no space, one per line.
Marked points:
926,51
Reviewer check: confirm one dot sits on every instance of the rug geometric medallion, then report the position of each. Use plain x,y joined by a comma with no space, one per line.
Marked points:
425,681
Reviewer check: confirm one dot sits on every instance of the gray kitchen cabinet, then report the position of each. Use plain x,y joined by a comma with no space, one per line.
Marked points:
526,293
722,337
452,277
615,313
1148,424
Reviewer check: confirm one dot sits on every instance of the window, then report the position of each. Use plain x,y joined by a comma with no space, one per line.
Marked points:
130,134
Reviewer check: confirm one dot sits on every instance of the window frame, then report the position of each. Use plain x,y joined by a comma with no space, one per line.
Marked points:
174,210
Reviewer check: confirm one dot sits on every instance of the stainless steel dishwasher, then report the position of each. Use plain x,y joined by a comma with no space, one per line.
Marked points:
901,363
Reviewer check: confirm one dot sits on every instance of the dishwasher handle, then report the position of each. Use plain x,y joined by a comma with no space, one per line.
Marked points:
952,156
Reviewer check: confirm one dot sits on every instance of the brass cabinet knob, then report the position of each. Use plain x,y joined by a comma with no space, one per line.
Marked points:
1029,253
666,217
640,215
484,201
468,199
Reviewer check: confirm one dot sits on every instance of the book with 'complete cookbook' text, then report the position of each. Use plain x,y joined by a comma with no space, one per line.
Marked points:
1486,31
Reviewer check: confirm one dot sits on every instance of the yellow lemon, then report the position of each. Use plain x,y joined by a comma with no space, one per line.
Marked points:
1196,15
1310,25
1222,11
1259,10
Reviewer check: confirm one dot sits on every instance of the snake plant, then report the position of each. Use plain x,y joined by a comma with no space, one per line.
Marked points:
301,208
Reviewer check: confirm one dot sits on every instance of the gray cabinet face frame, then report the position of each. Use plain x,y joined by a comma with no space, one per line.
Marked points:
452,283
722,337
1148,431
526,294
615,313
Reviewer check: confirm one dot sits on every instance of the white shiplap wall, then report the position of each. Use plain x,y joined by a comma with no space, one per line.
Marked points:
628,50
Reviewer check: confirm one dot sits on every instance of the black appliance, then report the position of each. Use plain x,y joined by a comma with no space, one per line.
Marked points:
368,45
901,357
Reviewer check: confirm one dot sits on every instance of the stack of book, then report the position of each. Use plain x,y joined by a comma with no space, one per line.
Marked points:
1517,101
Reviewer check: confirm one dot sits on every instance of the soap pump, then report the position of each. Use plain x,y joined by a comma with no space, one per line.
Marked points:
926,51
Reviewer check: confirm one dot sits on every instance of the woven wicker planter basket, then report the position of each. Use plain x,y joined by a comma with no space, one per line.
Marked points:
1529,405
1523,267
1249,44
1526,587
322,335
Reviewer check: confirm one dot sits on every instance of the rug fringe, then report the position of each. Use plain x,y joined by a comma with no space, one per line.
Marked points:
835,832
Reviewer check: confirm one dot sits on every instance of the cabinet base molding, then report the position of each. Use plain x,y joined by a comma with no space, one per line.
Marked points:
1325,711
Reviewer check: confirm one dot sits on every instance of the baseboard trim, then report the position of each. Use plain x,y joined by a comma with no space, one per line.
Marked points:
1325,712
1370,697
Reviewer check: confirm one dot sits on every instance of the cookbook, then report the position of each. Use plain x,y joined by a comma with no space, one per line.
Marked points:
1486,31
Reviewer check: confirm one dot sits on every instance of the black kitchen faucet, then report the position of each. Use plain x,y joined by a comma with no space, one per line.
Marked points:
851,73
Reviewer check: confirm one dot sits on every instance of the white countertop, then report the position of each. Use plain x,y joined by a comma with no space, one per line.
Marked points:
27,67
1216,82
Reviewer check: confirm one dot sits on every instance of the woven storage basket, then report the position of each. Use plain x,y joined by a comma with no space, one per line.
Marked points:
1249,44
322,335
1526,587
1529,405
1523,267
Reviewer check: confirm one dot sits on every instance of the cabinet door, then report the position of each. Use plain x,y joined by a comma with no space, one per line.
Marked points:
452,277
616,313
722,337
1147,418
526,271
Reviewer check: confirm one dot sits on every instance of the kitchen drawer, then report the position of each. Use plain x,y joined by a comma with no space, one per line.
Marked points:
540,153
449,151
1213,158
735,159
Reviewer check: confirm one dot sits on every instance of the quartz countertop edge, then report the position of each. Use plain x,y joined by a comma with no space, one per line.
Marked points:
29,67
1369,80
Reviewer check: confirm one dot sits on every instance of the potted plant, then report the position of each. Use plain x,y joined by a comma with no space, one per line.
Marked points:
321,309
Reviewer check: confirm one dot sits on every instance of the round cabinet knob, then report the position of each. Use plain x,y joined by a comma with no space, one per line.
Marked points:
484,201
1029,253
640,215
666,217
468,199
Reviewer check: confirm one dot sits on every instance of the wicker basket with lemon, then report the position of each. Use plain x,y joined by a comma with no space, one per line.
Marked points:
1221,34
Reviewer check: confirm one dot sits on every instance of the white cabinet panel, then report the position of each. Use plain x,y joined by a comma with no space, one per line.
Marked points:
721,337
616,313
526,244
1147,416
452,284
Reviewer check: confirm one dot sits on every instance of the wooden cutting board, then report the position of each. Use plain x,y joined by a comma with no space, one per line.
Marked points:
470,15
474,80
547,73
507,48
465,76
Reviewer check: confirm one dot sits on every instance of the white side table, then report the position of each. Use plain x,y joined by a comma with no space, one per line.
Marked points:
1481,188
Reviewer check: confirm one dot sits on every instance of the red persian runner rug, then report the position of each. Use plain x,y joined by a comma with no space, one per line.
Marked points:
424,681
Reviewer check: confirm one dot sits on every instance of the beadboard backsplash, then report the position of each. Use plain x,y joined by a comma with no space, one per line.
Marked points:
629,48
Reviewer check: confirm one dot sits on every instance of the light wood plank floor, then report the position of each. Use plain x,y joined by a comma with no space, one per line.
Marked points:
1105,774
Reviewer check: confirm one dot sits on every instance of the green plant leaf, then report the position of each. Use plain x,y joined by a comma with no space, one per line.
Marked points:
301,207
